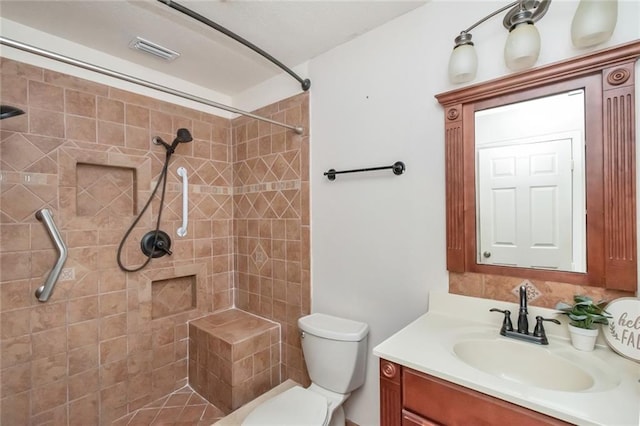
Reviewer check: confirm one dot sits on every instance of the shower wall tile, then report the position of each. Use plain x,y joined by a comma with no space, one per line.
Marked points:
93,352
137,137
80,103
46,122
14,89
80,128
110,133
46,96
112,110
271,224
137,116
248,224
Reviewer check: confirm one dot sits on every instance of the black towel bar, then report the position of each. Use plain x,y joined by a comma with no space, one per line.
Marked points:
397,167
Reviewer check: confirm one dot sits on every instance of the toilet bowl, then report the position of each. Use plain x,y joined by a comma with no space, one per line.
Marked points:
335,351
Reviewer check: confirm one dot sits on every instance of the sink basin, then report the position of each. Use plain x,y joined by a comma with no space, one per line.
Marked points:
524,363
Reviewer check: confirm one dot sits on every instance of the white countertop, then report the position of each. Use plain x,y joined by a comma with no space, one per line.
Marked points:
426,345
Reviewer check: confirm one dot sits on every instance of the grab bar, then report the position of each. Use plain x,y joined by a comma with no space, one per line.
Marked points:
182,231
44,292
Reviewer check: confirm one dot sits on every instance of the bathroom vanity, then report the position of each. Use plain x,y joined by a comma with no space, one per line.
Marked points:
452,369
414,398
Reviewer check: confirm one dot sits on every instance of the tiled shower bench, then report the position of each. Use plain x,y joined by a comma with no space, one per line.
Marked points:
234,357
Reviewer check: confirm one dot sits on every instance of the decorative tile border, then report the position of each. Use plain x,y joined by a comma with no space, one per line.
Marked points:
246,189
25,178
268,186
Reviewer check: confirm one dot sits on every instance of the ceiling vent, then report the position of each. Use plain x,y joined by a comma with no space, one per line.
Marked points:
153,49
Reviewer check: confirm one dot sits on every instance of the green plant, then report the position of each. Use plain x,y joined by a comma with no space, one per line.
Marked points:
585,313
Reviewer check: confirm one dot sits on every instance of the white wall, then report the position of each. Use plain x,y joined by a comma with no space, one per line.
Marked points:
378,240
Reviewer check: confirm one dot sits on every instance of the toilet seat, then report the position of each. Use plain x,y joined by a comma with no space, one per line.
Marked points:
294,407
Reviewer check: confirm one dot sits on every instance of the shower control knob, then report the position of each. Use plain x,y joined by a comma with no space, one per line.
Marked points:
156,245
161,245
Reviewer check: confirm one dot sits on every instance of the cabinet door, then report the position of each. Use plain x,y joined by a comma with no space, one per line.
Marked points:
410,419
452,405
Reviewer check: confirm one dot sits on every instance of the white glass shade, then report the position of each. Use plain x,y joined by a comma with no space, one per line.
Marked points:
463,64
593,22
522,47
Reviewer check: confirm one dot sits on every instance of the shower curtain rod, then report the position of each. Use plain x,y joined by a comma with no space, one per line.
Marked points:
67,60
306,83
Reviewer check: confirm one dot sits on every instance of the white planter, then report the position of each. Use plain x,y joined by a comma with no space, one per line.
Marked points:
583,339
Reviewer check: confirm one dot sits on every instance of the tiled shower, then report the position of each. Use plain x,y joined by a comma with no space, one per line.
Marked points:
107,342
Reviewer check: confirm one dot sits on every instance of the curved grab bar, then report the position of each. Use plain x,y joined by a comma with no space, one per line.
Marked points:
182,231
44,292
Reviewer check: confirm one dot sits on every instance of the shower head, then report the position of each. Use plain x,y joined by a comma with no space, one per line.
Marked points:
7,111
183,136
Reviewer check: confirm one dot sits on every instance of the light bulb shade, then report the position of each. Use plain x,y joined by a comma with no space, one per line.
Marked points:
594,22
522,47
463,64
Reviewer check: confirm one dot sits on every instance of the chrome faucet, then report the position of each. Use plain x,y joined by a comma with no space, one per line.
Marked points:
522,333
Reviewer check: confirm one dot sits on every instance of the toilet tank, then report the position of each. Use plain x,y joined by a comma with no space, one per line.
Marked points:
335,351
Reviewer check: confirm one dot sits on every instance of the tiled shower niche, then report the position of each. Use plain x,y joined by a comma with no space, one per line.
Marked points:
102,189
172,296
105,190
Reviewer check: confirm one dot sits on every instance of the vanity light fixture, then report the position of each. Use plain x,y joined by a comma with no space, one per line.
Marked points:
153,49
521,49
593,23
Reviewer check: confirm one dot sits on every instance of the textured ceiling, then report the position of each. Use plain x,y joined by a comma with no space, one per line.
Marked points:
291,31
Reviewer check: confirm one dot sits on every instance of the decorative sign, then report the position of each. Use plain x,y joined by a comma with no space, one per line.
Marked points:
623,331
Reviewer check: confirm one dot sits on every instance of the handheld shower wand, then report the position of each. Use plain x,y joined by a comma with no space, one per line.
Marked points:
183,136
156,243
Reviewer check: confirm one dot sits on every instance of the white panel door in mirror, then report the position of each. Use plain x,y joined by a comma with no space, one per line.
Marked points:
530,184
525,205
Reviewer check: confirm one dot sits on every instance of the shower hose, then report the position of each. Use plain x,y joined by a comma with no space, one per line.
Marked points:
163,179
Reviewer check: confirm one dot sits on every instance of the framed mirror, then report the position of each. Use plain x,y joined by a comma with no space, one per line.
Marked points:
540,172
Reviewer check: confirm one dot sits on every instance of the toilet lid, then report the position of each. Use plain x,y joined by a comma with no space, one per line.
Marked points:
294,407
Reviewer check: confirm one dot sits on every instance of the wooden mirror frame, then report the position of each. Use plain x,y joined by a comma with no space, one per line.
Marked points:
609,82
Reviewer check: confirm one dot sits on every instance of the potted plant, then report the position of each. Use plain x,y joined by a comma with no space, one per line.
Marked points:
585,315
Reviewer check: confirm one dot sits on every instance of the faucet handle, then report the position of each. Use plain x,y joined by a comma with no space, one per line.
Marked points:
506,323
539,330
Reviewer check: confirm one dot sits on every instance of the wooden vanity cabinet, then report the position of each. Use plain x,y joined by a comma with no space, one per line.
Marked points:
412,398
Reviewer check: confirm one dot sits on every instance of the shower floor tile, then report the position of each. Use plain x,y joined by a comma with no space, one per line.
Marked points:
184,407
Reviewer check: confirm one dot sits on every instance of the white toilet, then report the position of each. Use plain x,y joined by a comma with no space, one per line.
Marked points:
335,351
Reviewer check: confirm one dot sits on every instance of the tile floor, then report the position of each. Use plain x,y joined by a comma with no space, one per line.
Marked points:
184,407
